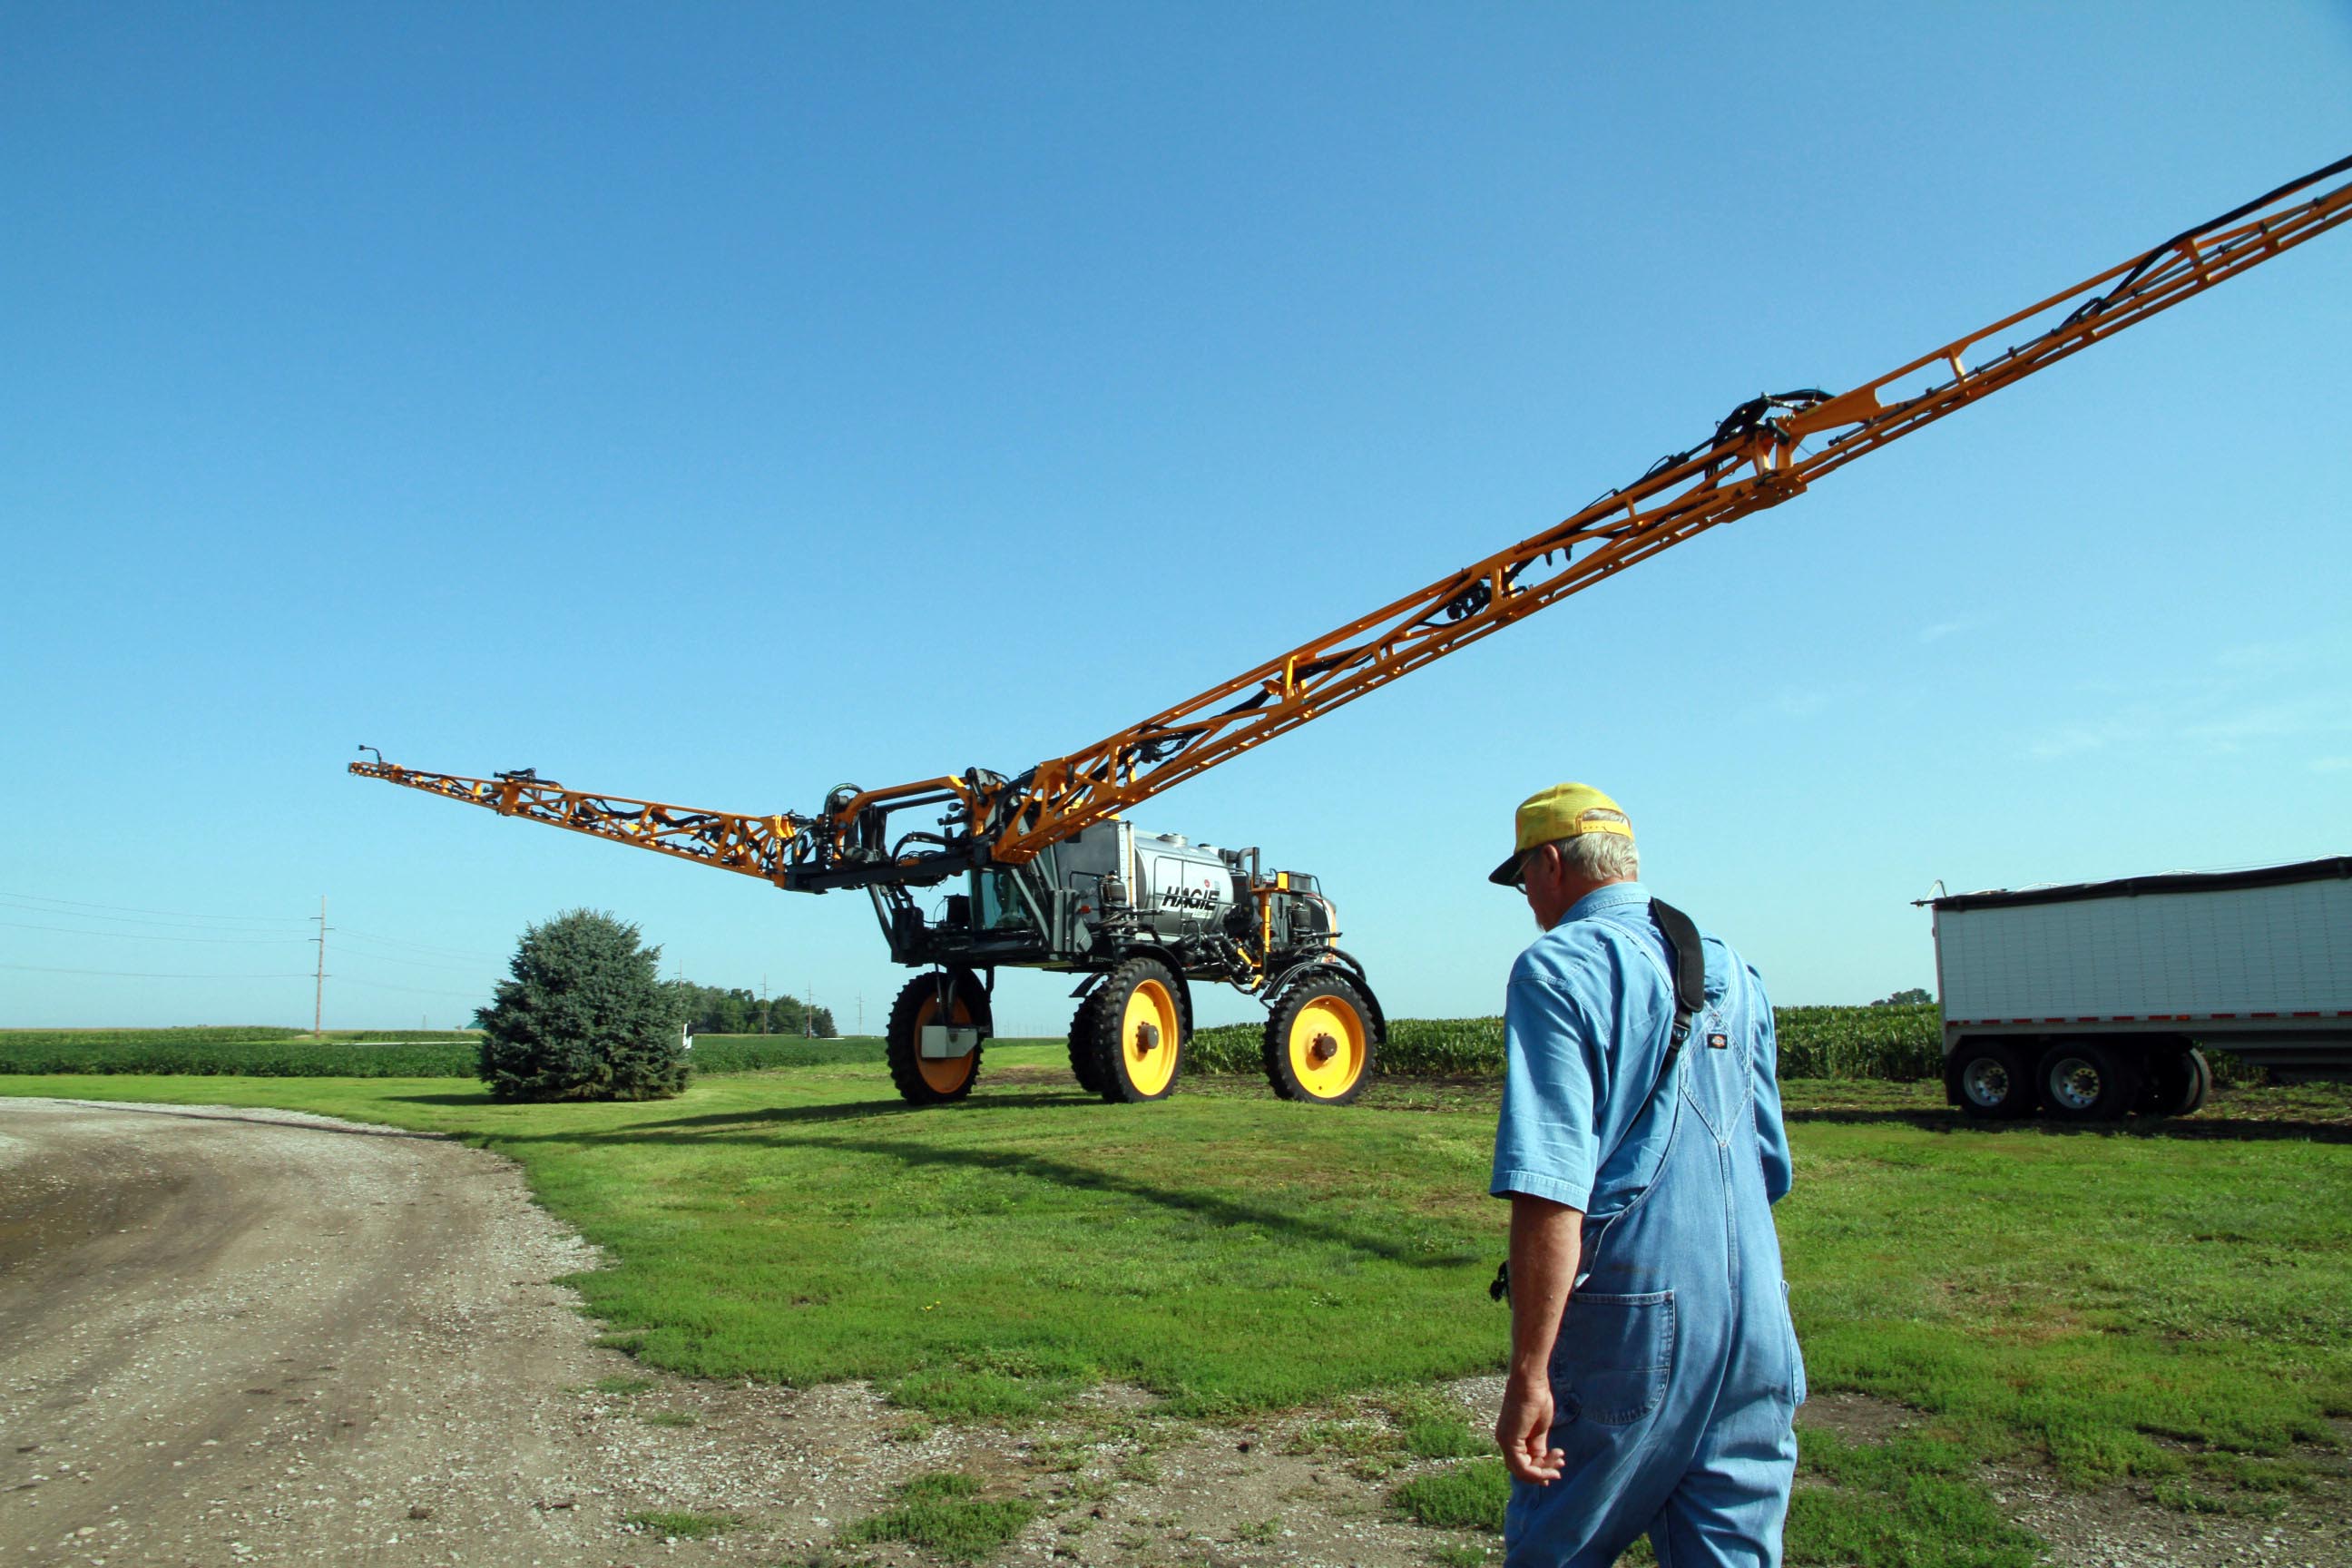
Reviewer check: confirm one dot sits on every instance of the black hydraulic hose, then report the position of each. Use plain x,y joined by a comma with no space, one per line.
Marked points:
2092,307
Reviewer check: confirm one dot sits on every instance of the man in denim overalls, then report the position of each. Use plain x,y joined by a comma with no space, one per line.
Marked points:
1655,1369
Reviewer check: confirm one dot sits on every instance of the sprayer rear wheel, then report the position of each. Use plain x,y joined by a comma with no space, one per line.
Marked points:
1134,1026
1082,1052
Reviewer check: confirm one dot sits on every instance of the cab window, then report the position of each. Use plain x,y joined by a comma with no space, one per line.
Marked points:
1001,908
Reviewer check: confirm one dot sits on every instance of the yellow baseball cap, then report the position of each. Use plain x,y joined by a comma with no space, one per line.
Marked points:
1563,811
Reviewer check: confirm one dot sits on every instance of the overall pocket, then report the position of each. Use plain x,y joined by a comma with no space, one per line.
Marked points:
1796,1351
1613,1355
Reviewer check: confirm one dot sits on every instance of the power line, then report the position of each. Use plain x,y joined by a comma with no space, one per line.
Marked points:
411,990
254,941
141,974
148,936
22,907
127,909
411,962
421,946
126,914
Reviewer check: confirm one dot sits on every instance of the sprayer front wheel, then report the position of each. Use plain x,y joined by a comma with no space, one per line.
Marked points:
1318,1043
932,1080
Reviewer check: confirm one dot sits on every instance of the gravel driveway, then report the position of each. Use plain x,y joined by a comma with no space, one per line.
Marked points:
237,1336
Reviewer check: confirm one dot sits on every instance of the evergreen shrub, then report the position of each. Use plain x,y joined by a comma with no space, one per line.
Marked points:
582,1017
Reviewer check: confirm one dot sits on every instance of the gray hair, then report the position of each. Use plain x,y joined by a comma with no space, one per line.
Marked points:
1600,857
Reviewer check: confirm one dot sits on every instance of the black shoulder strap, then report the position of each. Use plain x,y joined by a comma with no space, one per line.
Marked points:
1689,959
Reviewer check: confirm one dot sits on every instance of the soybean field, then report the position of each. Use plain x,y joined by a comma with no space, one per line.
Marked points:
248,1052
1895,1044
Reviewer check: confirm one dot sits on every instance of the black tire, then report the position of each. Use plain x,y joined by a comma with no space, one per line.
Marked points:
1320,1042
2088,1080
2177,1081
921,1082
1082,1051
2196,1100
1990,1080
1125,1027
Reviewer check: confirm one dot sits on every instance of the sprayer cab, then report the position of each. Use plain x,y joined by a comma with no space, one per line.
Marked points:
1110,893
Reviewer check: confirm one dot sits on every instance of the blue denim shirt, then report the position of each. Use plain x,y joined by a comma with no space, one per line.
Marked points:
1585,1029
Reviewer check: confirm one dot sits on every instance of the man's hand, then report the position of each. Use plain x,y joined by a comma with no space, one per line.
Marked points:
1546,1238
1524,1430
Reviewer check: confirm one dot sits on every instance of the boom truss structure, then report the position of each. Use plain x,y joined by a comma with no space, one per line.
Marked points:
1756,457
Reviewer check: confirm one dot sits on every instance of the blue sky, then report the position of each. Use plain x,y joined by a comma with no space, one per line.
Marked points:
716,404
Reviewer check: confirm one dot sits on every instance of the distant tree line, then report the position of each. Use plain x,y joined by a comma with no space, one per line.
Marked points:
709,1010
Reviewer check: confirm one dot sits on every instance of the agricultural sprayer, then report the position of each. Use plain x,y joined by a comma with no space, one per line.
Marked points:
1048,872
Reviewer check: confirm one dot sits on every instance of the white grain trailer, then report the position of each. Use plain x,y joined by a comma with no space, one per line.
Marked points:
2088,1001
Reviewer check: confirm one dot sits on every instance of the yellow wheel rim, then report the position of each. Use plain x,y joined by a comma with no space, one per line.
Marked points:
944,1074
1327,1047
1147,1037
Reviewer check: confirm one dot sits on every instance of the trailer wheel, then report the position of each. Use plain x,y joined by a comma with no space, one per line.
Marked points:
2088,1080
2177,1081
1135,1025
923,1081
1990,1080
1083,1059
1318,1043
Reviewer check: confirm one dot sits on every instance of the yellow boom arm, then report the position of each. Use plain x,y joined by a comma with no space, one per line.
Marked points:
1753,462
1756,459
767,846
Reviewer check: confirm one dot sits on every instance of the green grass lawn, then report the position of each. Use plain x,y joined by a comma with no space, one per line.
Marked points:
2171,1302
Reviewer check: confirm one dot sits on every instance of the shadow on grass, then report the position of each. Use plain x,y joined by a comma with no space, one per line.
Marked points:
2189,1129
677,1130
756,1128
1209,1205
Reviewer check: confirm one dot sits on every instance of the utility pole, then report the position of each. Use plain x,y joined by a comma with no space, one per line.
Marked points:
808,1018
319,996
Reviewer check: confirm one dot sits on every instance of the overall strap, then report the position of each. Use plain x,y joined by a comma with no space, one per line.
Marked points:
1686,972
1686,976
1689,971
